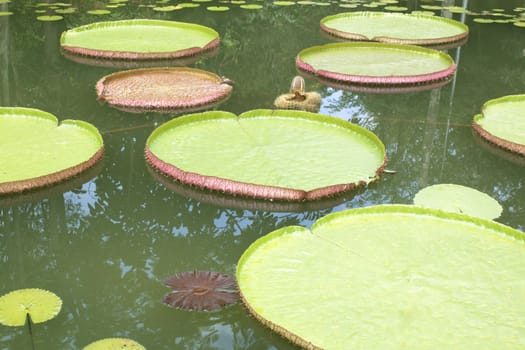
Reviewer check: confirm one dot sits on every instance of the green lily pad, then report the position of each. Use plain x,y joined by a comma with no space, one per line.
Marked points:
390,277
502,122
37,152
394,28
271,154
376,63
114,344
139,39
41,305
251,7
459,199
218,8
99,12
50,18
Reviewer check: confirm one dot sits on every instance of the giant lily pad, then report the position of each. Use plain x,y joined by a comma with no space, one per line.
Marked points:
459,199
272,154
376,63
163,89
139,39
36,151
502,122
390,277
398,28
39,304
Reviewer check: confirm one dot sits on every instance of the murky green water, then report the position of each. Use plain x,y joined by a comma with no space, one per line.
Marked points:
105,241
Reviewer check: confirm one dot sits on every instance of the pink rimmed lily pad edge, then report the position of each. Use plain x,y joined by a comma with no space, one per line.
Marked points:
444,74
129,55
232,187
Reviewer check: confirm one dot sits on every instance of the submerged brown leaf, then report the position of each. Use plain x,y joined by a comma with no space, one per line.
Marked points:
201,290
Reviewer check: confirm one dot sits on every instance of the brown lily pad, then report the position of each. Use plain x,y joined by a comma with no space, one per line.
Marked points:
201,290
166,89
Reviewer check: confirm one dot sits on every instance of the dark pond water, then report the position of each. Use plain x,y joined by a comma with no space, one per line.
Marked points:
105,241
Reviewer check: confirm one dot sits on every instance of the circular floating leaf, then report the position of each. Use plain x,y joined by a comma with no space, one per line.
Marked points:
188,5
114,344
502,122
201,290
394,28
459,199
139,39
5,13
251,7
66,11
389,277
37,152
99,12
49,18
483,20
217,8
396,8
163,89
41,305
272,154
376,63
167,8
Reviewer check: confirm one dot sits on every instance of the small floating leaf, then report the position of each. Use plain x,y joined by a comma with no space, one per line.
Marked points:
66,11
459,199
251,7
395,8
5,13
188,5
483,20
217,8
41,305
284,3
167,8
49,18
114,344
99,12
519,24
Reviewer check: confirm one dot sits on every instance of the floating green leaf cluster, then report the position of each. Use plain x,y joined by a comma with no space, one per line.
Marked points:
53,11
